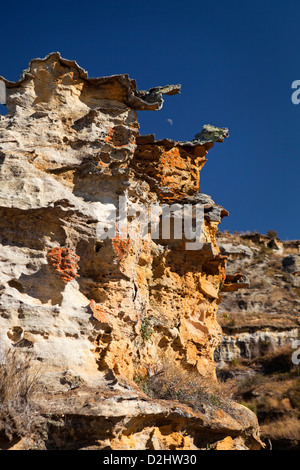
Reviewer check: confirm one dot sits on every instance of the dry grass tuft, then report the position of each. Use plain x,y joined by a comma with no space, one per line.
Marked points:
285,428
170,382
19,380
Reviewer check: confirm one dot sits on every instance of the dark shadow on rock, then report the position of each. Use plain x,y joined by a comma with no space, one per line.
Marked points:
45,285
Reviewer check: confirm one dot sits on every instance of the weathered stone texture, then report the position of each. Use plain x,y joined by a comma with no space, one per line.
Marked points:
69,147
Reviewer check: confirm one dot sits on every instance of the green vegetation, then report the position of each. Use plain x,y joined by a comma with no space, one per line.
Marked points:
250,406
147,328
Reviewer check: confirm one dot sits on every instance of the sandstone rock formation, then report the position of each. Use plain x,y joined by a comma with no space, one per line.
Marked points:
96,311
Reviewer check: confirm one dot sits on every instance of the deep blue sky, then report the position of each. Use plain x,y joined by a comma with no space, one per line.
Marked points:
236,61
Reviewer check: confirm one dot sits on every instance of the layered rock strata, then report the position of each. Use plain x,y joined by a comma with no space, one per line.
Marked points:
85,300
263,316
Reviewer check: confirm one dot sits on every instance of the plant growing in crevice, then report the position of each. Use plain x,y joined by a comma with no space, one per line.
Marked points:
169,382
147,328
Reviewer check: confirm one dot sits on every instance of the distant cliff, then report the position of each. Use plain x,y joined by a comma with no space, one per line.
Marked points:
261,332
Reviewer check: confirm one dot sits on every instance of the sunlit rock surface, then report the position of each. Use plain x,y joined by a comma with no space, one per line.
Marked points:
96,312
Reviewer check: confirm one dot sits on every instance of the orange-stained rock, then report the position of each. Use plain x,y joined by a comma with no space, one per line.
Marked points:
70,147
121,247
118,358
65,262
225,444
166,438
171,172
99,312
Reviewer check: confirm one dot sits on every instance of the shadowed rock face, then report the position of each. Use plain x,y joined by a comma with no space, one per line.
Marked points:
104,310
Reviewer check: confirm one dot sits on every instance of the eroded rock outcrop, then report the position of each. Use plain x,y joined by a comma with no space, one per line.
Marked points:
104,310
